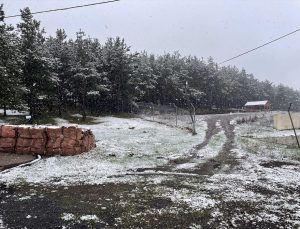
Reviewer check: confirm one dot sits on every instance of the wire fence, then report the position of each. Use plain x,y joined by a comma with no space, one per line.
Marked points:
169,115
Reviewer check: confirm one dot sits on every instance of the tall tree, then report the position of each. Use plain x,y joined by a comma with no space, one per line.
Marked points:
10,67
118,65
62,56
85,74
36,75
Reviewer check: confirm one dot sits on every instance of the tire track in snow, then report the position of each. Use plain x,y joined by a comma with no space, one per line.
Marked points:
224,160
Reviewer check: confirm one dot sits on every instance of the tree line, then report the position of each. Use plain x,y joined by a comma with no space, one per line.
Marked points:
57,75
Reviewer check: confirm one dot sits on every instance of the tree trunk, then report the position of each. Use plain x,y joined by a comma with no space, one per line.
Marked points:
83,111
59,110
83,102
4,111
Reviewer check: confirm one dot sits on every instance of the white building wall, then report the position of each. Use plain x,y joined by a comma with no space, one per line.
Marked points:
282,121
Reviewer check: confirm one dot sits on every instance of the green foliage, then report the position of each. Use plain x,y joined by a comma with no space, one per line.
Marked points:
36,75
10,67
57,75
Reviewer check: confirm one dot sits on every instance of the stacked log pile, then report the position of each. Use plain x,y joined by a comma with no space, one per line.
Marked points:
65,141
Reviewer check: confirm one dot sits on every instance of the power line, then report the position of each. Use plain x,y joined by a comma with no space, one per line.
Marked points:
67,8
258,47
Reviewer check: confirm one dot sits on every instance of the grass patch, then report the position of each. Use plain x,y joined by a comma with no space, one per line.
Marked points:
13,120
78,120
295,146
124,115
44,120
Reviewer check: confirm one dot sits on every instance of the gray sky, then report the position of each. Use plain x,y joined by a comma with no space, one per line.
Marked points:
217,28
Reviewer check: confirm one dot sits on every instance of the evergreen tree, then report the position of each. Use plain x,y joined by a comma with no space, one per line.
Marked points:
118,65
10,67
54,72
85,74
36,68
62,56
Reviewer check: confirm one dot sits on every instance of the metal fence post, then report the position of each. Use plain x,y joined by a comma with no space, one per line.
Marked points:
153,111
176,114
193,117
293,125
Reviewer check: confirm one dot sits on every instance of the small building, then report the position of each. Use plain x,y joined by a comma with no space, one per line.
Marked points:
255,106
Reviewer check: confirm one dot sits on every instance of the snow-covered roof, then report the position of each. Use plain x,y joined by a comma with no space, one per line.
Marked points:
256,103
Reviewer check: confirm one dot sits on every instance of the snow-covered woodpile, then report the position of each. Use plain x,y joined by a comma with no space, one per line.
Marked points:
45,140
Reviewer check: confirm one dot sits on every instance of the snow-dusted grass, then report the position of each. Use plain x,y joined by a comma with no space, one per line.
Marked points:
123,145
89,218
68,216
211,150
183,121
263,187
271,188
193,199
260,189
258,131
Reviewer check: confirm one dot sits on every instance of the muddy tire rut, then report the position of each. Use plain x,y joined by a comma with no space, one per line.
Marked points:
224,161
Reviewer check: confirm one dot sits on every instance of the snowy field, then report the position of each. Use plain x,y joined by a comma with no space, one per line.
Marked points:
123,145
223,177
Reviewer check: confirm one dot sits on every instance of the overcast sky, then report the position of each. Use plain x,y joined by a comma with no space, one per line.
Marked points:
217,28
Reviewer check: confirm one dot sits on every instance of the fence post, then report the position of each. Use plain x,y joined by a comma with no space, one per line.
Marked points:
153,111
176,113
193,117
293,125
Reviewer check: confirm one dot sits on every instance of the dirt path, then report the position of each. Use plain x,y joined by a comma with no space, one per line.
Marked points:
224,159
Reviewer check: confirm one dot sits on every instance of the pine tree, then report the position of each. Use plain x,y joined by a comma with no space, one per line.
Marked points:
85,74
62,55
118,65
36,67
10,67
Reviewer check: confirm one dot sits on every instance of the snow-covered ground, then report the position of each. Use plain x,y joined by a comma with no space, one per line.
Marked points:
262,188
209,151
267,179
123,145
